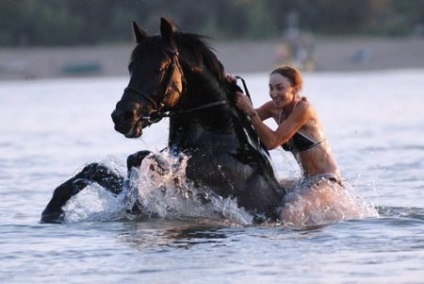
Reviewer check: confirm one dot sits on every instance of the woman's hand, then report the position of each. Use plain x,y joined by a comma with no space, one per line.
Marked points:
243,103
231,78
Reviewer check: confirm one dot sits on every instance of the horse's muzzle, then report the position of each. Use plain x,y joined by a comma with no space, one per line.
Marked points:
127,123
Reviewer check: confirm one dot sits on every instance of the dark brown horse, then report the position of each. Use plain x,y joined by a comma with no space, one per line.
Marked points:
177,75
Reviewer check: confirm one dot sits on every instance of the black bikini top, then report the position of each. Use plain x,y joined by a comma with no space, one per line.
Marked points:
299,143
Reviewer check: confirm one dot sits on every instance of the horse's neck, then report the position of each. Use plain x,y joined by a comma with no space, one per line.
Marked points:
204,113
221,125
202,89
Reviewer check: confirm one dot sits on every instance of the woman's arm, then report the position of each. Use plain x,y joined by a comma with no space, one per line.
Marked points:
286,129
265,110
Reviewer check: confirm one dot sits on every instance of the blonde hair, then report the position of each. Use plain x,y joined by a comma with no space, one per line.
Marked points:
292,74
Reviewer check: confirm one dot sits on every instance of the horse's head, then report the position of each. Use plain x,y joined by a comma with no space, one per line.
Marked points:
156,84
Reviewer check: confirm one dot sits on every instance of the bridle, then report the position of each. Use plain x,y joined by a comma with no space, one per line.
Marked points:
157,113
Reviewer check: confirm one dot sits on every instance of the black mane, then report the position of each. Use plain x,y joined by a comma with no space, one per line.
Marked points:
202,51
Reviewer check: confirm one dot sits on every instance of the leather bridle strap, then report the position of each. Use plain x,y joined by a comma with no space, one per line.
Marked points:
157,113
143,94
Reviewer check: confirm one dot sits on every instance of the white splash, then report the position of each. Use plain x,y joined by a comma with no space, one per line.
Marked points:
323,204
163,191
94,203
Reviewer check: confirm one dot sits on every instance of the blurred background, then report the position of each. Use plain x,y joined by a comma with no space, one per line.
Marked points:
60,38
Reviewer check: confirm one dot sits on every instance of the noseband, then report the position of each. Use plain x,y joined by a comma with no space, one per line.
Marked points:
157,113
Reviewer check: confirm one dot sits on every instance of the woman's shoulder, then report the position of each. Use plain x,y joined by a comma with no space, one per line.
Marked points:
269,107
307,111
267,110
303,105
305,108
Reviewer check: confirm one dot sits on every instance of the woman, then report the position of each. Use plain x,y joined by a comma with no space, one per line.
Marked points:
300,132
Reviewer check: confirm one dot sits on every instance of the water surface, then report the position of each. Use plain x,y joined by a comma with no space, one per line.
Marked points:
49,129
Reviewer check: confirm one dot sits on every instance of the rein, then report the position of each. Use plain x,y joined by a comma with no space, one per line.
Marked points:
246,90
205,106
209,105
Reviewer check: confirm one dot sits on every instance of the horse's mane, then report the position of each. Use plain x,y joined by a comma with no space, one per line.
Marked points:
202,52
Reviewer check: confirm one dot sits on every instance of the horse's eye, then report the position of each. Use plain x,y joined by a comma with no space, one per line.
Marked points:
163,67
160,69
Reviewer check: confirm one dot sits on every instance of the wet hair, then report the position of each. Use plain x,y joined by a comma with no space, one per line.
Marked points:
292,74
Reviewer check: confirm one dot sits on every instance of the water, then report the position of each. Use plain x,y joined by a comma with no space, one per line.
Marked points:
49,129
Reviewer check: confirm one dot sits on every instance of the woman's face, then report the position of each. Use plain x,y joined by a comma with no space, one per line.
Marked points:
280,89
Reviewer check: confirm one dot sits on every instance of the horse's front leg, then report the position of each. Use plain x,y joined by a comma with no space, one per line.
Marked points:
105,177
135,160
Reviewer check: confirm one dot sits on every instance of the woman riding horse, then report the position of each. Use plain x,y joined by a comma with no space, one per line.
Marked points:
177,75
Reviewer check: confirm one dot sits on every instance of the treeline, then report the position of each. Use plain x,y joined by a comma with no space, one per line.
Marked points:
76,22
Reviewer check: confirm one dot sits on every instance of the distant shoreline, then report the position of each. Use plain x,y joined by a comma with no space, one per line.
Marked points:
329,55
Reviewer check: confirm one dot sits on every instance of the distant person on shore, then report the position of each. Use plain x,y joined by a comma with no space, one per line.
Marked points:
300,132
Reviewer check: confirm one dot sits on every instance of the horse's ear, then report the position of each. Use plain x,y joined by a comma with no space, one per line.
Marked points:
167,30
139,34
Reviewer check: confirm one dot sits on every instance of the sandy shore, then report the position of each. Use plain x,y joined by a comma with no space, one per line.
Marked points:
343,54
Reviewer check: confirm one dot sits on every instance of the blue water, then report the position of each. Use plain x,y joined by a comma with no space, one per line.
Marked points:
49,129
